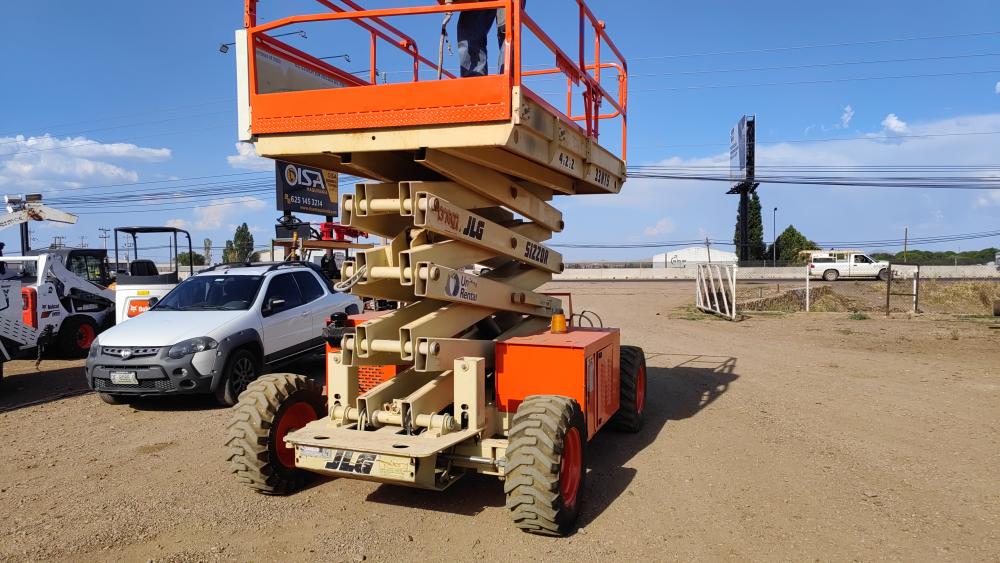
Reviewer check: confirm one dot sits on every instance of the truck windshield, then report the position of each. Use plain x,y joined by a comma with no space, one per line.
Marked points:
212,293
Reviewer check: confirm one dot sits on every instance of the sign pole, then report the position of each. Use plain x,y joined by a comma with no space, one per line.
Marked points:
742,164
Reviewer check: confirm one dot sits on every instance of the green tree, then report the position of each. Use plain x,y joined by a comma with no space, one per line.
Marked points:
789,243
184,259
240,249
229,253
755,227
940,257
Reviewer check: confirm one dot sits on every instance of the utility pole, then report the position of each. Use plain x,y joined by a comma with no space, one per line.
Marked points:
742,162
105,235
906,241
708,249
774,239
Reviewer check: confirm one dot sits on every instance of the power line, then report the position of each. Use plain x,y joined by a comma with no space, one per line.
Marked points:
819,46
906,182
813,82
112,117
870,137
876,242
88,143
125,126
813,65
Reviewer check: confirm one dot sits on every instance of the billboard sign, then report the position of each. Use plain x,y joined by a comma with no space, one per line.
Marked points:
304,189
741,151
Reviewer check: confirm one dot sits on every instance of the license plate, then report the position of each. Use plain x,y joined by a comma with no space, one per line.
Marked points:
124,378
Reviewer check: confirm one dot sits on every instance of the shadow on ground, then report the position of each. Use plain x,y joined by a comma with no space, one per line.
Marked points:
313,367
673,393
23,386
469,496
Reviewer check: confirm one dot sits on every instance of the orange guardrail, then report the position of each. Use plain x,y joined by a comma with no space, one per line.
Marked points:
365,104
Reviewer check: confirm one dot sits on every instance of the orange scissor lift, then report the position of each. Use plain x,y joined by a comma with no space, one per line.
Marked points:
487,377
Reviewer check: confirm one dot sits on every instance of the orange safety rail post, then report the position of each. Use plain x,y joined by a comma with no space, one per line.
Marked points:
365,105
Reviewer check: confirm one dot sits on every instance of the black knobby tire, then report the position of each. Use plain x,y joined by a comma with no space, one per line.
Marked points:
242,369
831,275
540,435
253,439
75,336
632,379
883,275
112,399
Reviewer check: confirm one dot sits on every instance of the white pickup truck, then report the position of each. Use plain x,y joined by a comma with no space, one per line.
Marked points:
854,265
216,332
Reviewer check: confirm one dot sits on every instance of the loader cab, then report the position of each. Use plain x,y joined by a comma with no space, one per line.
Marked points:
90,264
148,270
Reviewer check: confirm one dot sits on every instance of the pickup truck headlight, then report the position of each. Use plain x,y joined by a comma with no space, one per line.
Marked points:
191,346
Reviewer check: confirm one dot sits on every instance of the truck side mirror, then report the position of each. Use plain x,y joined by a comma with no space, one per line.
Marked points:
273,304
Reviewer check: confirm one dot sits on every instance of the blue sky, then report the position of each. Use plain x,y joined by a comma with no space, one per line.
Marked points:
123,92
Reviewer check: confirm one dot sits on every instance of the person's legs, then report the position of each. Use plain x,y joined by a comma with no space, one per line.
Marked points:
502,38
473,28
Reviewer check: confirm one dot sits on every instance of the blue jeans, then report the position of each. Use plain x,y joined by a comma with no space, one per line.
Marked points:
473,29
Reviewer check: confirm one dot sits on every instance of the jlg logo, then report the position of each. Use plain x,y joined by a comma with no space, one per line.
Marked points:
475,228
342,461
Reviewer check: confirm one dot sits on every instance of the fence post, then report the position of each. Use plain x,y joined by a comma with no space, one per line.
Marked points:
732,286
807,288
697,285
916,290
888,291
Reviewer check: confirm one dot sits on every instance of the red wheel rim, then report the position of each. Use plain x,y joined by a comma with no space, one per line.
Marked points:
85,336
640,390
572,460
295,417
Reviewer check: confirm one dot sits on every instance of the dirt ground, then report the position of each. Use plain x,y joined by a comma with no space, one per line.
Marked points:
781,437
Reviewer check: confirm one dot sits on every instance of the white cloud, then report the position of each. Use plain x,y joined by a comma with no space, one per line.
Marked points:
178,223
662,227
49,163
991,199
247,159
846,117
998,88
216,213
893,124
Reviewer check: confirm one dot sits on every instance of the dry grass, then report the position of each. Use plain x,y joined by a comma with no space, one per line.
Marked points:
962,297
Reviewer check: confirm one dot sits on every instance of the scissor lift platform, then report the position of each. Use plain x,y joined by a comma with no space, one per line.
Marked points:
535,144
462,177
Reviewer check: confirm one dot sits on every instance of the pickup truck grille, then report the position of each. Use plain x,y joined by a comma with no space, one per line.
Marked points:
101,384
132,352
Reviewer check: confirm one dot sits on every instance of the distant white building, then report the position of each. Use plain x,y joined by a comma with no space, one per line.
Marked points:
692,256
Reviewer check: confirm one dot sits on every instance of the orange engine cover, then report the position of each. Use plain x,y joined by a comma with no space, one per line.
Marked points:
582,364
